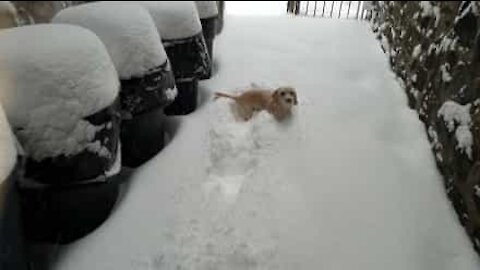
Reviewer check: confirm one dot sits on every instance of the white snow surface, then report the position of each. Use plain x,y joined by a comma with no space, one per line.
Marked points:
8,152
52,76
348,183
126,29
206,9
256,8
174,19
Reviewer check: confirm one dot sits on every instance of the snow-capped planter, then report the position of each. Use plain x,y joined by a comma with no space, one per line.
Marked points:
134,45
181,33
8,15
208,12
147,81
59,90
11,235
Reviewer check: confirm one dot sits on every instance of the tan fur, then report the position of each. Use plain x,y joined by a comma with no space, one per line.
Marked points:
278,102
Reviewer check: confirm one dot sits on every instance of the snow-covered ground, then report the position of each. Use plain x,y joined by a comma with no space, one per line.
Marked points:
348,183
256,8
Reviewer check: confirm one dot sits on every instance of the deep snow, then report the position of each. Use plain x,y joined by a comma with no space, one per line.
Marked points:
348,183
126,29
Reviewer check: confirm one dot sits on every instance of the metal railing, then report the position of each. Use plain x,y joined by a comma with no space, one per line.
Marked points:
359,10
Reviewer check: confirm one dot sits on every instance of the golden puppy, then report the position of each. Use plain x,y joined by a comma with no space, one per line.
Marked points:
278,102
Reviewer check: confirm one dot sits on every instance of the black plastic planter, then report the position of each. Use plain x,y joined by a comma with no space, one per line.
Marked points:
209,32
189,57
142,133
208,13
155,90
60,215
185,47
64,108
12,240
65,198
142,137
220,18
190,62
187,98
86,165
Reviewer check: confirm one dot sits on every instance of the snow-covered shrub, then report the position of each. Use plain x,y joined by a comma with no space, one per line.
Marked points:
59,88
432,47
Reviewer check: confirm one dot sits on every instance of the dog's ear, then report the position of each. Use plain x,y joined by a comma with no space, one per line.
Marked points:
295,100
276,93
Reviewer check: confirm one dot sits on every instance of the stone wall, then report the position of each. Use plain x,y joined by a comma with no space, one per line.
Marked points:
432,47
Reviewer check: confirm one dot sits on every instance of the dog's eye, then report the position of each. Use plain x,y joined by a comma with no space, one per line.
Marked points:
282,94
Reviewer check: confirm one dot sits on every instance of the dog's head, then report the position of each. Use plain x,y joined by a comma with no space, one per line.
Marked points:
286,96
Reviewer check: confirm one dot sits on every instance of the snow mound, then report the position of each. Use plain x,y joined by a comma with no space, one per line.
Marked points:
207,9
51,77
127,30
8,152
174,19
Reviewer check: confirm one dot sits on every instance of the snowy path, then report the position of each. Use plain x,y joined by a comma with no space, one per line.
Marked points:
348,183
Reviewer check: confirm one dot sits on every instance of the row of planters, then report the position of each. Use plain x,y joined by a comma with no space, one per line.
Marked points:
85,96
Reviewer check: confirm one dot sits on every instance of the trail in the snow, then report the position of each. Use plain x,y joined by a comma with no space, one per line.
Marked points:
224,232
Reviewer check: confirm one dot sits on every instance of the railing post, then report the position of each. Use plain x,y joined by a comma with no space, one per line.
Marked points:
293,7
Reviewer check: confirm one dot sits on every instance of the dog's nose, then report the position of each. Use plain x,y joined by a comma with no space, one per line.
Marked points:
289,100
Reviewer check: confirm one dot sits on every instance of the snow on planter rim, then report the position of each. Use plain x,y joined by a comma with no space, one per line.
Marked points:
207,9
174,19
51,77
126,29
8,152
7,6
